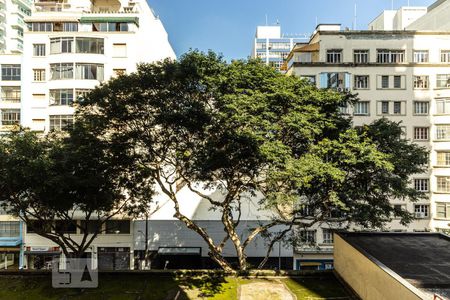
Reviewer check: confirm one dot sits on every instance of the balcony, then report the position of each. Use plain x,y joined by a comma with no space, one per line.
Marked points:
318,249
51,6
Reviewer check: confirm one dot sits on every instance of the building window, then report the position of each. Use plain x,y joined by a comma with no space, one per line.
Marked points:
391,107
421,185
443,184
334,56
310,78
11,93
118,226
119,50
111,26
339,81
421,211
361,108
361,81
443,80
443,210
420,56
9,229
81,93
90,45
397,107
61,71
390,56
421,107
90,71
445,56
41,26
421,82
421,133
38,49
443,106
91,226
61,45
397,82
39,74
327,236
61,97
65,227
11,72
443,158
443,132
10,117
361,56
384,107
61,122
385,82
308,236
65,26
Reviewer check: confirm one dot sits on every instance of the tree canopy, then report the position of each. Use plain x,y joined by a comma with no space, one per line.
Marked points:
53,182
243,128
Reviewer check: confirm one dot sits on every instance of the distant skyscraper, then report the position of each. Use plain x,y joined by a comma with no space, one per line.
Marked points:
273,47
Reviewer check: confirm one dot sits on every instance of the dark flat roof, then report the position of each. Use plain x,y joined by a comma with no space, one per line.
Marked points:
423,259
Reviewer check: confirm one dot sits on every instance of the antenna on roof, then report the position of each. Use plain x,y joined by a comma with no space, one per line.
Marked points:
266,21
354,22
317,21
278,22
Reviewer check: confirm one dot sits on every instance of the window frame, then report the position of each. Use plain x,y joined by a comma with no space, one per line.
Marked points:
358,54
425,130
421,82
334,56
360,103
417,104
421,56
358,80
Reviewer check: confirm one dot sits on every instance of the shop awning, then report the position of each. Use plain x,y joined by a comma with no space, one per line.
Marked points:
309,264
42,252
121,19
9,249
10,242
180,251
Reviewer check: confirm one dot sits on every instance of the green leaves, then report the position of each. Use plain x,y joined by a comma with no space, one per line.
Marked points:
244,126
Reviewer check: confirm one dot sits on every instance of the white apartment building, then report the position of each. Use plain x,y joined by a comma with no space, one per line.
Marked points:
272,47
400,68
69,47
72,46
12,27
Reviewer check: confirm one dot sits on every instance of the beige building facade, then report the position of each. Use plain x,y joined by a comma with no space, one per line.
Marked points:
400,69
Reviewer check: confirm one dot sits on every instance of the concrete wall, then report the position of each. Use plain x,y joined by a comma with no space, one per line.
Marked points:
367,279
172,233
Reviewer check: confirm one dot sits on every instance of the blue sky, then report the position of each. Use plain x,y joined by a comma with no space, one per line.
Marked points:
228,26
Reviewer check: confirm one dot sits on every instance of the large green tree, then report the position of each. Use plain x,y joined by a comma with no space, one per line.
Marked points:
244,129
59,182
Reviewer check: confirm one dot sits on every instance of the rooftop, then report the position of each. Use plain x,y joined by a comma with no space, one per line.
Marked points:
423,259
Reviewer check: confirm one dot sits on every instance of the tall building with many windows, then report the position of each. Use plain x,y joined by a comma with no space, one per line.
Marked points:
272,47
72,46
12,28
400,69
69,47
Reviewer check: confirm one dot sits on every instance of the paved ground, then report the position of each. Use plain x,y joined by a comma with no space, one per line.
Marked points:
264,291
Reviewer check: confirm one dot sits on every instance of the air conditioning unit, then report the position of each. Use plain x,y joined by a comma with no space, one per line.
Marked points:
420,215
